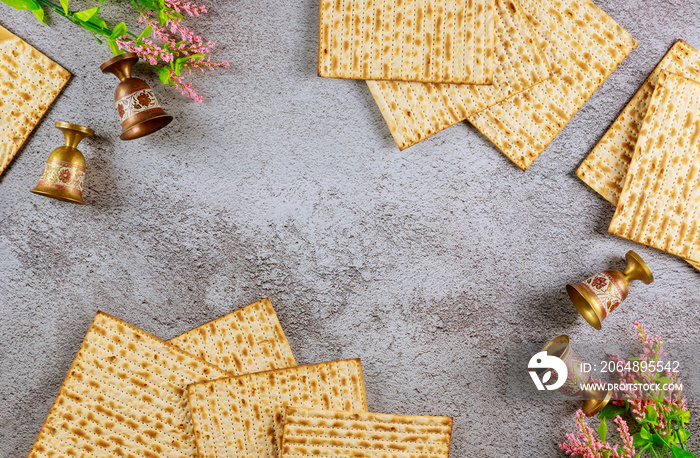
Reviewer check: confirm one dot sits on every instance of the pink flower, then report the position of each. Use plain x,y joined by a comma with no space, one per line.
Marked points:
178,44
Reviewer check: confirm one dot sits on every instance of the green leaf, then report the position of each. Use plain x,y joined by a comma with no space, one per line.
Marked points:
684,416
86,15
682,435
164,75
162,17
680,453
657,439
146,32
641,440
64,4
119,31
39,13
651,413
603,431
98,21
633,359
114,47
611,411
22,4
27,5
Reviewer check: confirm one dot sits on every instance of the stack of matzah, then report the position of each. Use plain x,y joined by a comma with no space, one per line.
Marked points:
518,70
29,83
229,388
647,163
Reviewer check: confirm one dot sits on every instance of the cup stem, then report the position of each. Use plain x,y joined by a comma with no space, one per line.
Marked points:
74,133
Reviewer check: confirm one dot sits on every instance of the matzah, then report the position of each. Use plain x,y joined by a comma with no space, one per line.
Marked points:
311,432
415,111
29,83
439,41
243,416
606,166
660,203
247,340
583,46
125,396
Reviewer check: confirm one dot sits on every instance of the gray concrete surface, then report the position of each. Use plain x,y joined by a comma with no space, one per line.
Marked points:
424,263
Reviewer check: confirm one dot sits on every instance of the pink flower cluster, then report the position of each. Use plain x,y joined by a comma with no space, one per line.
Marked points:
178,46
587,445
652,352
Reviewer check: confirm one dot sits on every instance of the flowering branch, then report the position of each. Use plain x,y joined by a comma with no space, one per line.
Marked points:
180,49
165,42
661,416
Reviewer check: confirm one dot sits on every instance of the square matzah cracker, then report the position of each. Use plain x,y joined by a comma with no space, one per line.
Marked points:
415,111
247,340
124,396
437,41
309,432
583,46
244,416
605,168
29,83
660,202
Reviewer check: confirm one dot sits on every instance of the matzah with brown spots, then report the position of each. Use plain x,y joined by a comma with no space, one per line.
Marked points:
583,46
415,111
29,83
312,432
606,166
124,396
438,41
660,203
248,340
244,416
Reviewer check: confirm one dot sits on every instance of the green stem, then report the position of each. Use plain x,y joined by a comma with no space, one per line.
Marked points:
58,9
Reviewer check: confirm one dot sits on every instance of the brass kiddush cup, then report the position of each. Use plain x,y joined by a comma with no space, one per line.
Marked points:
598,296
139,110
64,172
576,377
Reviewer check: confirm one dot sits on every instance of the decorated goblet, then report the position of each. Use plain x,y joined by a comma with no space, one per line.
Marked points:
576,377
137,106
596,297
64,171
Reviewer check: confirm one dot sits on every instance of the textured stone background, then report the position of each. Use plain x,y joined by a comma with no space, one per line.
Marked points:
425,263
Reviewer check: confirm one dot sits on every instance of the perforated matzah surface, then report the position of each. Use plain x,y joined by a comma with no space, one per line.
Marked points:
243,416
124,396
583,46
415,111
660,203
606,166
441,41
247,340
29,83
313,432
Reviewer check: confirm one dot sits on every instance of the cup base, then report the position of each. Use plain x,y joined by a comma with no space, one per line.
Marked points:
62,196
146,127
